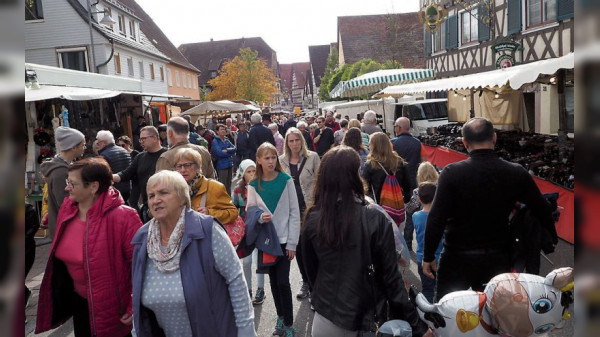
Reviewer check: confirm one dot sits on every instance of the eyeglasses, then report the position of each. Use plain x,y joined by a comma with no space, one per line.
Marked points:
144,138
70,184
320,122
185,166
122,144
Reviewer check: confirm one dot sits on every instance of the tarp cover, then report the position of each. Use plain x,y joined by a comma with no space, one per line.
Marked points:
204,107
514,77
372,82
66,92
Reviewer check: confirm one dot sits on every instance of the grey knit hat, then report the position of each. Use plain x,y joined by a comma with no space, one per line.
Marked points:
67,138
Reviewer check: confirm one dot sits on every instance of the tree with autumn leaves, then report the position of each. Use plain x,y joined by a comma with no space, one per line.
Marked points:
245,77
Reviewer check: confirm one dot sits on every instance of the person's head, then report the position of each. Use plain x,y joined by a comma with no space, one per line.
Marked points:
427,192
246,172
104,138
70,141
95,148
273,127
310,120
347,117
188,162
168,194
295,143
200,129
353,139
221,130
187,118
320,122
242,127
354,123
370,117
381,150
333,195
267,161
266,119
478,133
178,130
125,142
256,118
427,172
228,122
302,126
162,131
149,138
141,120
313,127
87,179
402,125
344,124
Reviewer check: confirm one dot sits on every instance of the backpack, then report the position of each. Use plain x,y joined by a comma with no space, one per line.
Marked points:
391,198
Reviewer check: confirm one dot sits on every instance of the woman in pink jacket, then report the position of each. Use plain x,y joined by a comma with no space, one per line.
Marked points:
88,275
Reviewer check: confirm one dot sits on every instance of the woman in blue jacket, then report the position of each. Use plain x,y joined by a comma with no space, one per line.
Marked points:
224,151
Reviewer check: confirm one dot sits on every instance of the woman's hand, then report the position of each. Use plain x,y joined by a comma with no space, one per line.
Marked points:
127,319
291,254
266,217
202,210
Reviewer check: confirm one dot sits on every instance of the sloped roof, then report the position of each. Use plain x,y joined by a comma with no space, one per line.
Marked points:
204,55
301,70
157,37
318,59
285,76
365,37
144,45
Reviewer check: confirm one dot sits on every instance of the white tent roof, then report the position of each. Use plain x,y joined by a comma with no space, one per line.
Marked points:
204,107
66,92
377,80
514,77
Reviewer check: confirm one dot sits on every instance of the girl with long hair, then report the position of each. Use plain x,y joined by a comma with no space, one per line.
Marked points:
273,192
334,240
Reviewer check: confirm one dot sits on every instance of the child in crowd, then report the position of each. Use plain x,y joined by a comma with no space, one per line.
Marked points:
246,173
425,173
426,194
274,193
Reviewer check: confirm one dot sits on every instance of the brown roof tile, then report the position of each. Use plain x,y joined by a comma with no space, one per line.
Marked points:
205,55
365,37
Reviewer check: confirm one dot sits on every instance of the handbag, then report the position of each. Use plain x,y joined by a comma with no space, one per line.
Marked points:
391,328
235,230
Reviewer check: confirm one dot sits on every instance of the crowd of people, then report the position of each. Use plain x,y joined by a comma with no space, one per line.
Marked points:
142,238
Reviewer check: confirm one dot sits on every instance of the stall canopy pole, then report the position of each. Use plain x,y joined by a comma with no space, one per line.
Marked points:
562,114
472,111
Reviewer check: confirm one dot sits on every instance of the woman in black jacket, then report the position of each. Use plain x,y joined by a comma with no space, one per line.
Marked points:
382,158
333,243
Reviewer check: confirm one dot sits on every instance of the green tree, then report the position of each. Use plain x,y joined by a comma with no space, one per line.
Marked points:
330,68
245,77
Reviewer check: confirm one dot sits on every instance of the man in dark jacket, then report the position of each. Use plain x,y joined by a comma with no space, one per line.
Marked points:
258,134
409,148
471,208
290,123
117,157
242,144
323,137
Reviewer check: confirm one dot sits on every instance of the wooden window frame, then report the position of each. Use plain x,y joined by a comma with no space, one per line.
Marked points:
117,61
542,13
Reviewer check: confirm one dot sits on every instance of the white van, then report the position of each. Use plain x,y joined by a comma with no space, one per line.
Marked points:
423,114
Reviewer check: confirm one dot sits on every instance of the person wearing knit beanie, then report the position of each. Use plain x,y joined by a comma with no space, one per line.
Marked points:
67,138
244,165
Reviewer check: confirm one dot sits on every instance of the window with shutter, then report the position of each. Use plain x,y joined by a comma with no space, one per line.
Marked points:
483,29
565,10
427,42
514,16
452,32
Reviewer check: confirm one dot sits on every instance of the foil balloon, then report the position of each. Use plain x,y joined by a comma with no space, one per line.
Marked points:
526,305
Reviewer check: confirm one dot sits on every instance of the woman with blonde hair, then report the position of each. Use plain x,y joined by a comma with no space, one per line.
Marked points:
425,173
355,123
381,162
208,196
302,165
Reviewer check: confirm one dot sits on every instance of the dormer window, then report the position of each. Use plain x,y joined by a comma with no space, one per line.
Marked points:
213,74
122,24
132,30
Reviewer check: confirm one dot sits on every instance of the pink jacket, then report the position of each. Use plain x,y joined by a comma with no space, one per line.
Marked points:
107,255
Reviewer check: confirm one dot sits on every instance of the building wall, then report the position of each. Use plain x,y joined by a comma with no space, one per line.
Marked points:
177,88
149,85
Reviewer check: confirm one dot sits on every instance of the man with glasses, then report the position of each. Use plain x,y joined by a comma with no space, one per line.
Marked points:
178,134
323,137
143,165
71,145
117,157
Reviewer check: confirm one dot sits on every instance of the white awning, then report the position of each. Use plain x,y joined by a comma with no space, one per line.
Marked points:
205,107
65,92
514,77
371,82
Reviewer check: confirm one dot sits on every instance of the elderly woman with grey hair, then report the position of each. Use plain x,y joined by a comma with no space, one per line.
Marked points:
187,278
369,125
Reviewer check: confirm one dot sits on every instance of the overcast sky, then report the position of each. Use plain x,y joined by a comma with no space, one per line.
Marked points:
288,27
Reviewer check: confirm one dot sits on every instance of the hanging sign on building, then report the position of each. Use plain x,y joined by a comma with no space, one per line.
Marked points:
504,53
433,15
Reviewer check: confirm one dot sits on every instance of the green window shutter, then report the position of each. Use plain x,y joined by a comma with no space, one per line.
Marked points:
427,39
515,16
452,32
565,9
483,29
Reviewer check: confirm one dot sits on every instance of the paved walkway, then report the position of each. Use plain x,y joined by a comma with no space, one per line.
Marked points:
265,314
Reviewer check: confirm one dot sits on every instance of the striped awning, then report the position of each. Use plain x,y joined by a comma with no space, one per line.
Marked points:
372,82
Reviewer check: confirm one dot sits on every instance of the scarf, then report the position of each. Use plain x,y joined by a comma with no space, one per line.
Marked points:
166,260
195,185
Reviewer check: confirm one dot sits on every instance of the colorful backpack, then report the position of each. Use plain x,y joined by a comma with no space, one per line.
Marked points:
391,198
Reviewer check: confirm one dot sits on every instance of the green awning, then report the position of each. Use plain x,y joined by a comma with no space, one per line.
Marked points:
374,81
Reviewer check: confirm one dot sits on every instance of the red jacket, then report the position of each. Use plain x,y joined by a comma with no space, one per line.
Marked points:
107,255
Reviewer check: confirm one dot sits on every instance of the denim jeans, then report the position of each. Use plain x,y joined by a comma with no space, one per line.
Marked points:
427,284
